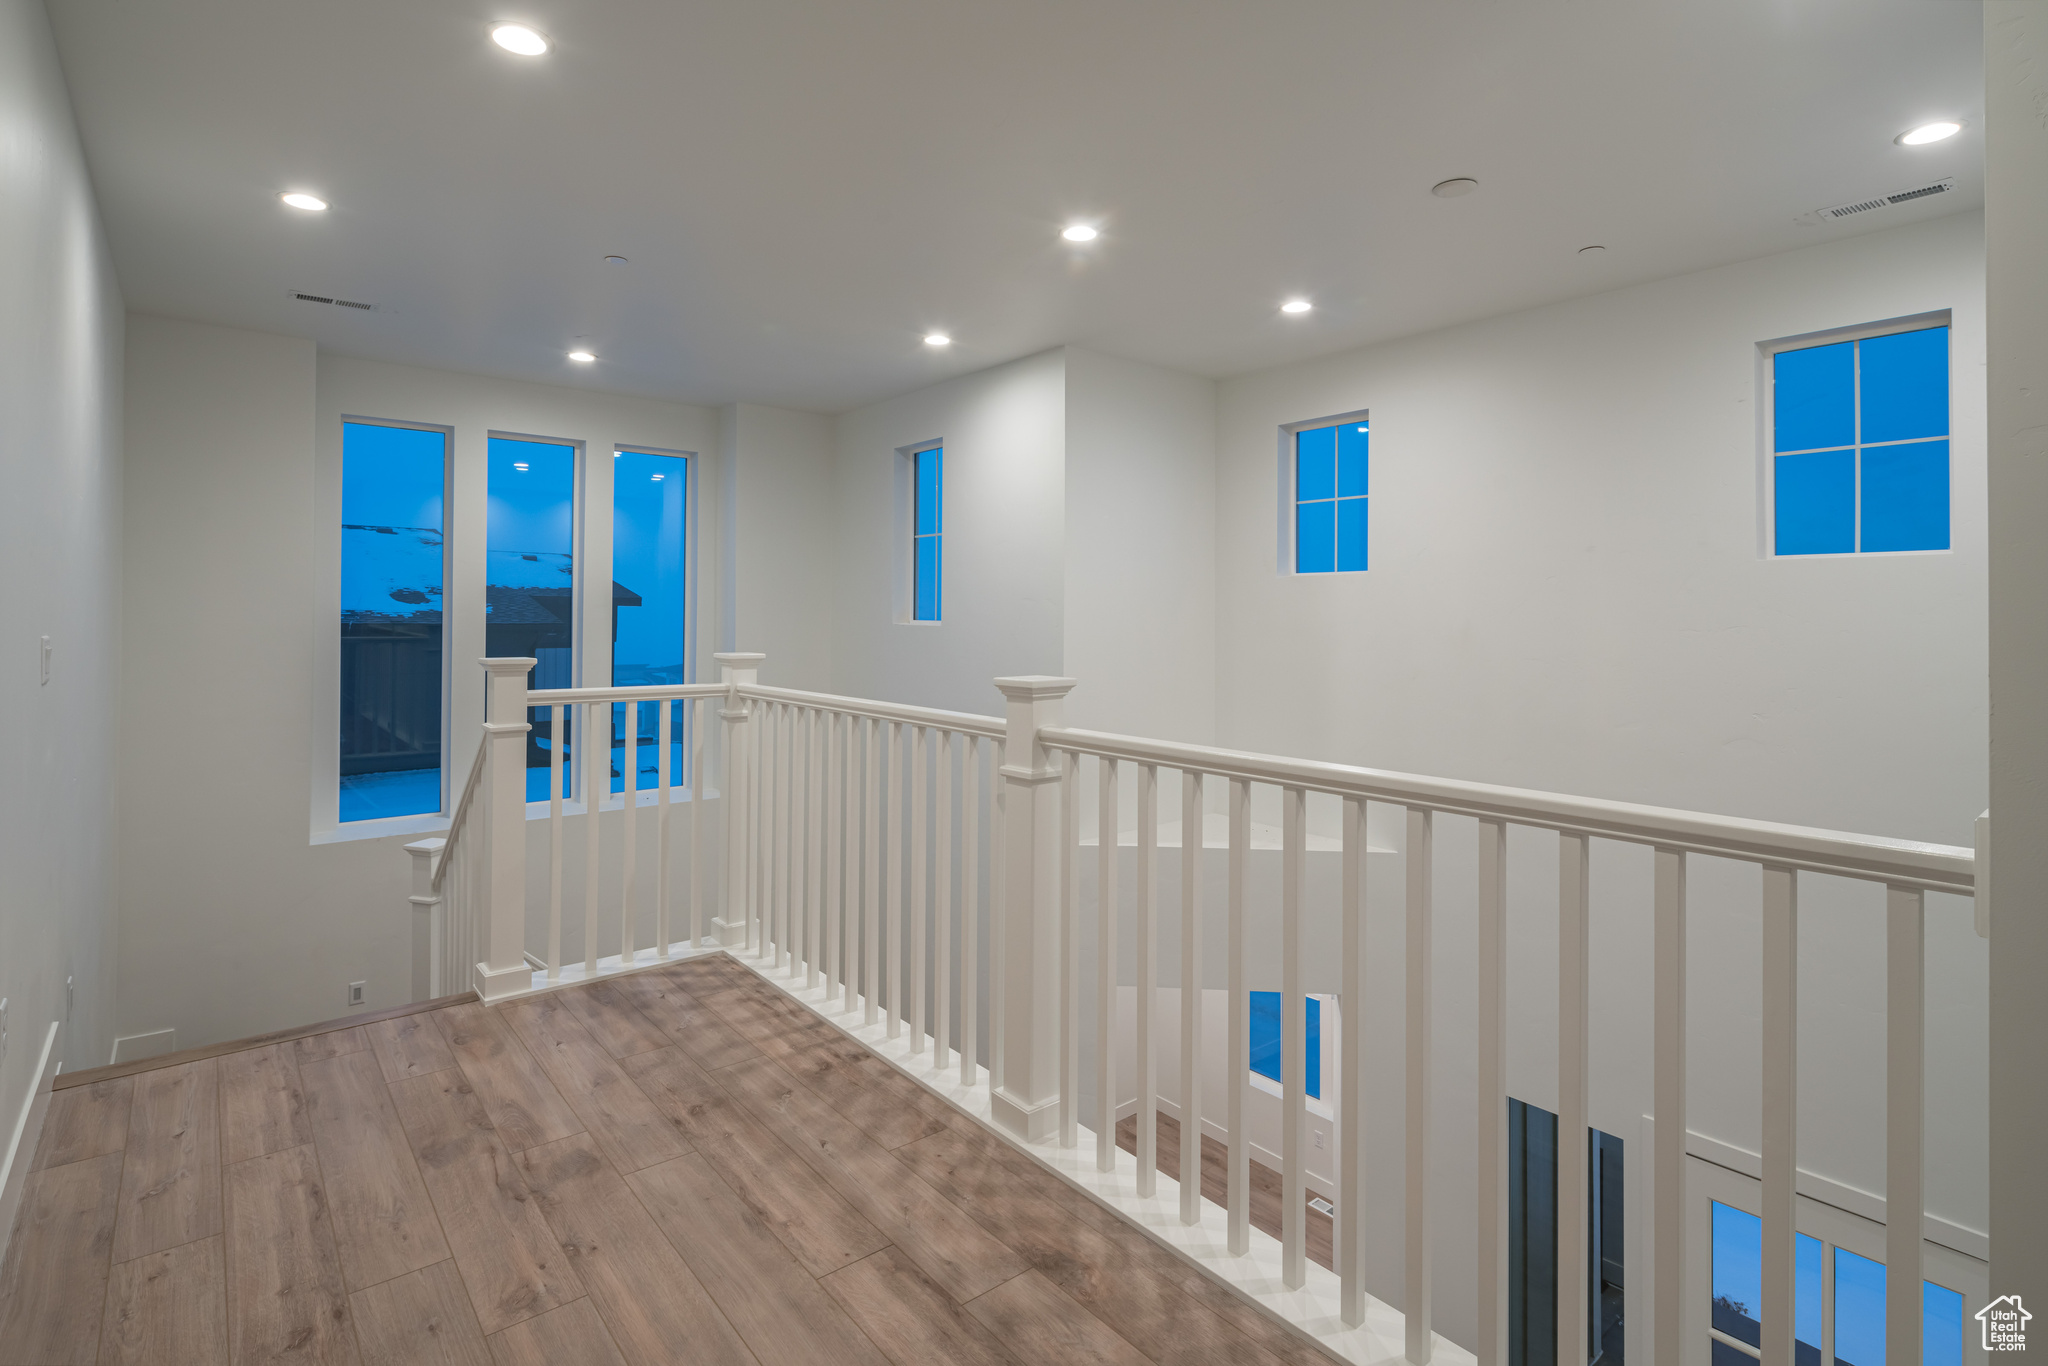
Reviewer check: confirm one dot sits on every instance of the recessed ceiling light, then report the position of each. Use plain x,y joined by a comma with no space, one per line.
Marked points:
937,339
1928,132
615,260
1451,189
1296,306
581,357
520,39
1079,232
654,478
311,203
518,464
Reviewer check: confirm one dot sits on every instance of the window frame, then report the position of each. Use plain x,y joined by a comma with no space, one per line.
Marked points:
382,825
690,621
907,534
1767,452
1289,502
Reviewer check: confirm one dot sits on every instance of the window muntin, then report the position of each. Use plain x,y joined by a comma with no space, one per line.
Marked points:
1331,478
1860,445
928,532
529,574
650,577
392,496
1858,1299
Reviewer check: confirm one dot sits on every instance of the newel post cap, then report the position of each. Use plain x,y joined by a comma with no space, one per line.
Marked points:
739,658
509,665
1035,687
424,848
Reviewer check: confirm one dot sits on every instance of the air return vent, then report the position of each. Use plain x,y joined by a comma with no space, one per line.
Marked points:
1875,202
305,298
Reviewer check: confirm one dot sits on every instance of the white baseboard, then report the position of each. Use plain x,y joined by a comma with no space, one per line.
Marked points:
21,1143
134,1047
1261,1154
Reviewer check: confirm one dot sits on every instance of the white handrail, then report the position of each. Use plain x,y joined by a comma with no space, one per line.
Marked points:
1873,858
455,825
988,727
649,692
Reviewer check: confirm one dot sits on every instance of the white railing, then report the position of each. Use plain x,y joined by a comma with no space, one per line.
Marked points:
857,837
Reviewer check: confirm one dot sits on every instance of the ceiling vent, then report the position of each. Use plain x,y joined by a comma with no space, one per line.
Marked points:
329,299
1878,201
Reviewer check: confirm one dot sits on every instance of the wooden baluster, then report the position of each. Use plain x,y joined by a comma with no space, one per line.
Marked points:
970,905
1148,978
663,766
894,853
1190,997
1904,1129
942,905
699,714
597,776
1421,1055
1351,1085
998,909
555,841
1238,1183
1493,1094
629,812
1070,949
814,846
1780,1112
1668,1138
1574,1305
834,904
1105,963
1293,1039
871,896
920,908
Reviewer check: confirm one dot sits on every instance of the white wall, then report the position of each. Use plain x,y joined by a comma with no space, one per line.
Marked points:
1140,624
1567,593
1004,430
241,911
60,384
779,506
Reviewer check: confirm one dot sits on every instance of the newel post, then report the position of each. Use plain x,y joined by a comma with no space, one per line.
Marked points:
503,969
1027,1103
737,670
425,922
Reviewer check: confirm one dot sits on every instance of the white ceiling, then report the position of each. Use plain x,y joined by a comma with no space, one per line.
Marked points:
804,187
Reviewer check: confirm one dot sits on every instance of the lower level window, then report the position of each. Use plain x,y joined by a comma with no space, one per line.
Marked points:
392,482
1266,1025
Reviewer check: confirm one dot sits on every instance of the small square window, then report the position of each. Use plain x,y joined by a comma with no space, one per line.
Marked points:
1859,442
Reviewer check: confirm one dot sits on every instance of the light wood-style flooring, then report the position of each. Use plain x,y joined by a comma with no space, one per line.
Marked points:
678,1165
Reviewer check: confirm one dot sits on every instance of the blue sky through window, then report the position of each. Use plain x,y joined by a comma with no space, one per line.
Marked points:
392,482
928,537
1860,445
1265,1041
1332,472
650,560
529,581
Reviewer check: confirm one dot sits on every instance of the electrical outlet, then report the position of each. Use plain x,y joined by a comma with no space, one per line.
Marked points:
1319,1138
356,991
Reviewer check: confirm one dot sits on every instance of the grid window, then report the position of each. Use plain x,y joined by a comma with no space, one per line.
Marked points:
391,575
1331,466
650,574
529,573
1860,445
928,534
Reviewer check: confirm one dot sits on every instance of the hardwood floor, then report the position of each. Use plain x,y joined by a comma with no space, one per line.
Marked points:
675,1166
1318,1234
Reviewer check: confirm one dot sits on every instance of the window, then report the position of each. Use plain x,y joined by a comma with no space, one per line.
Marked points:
1532,1239
928,523
392,486
650,578
1265,1041
1330,482
1854,1302
529,574
1860,445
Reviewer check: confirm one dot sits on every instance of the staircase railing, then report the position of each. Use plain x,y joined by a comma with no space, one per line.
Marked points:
913,873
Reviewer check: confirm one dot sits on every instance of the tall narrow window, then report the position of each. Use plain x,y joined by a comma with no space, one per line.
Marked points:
1860,445
1331,469
650,584
1266,1035
928,513
392,480
529,574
